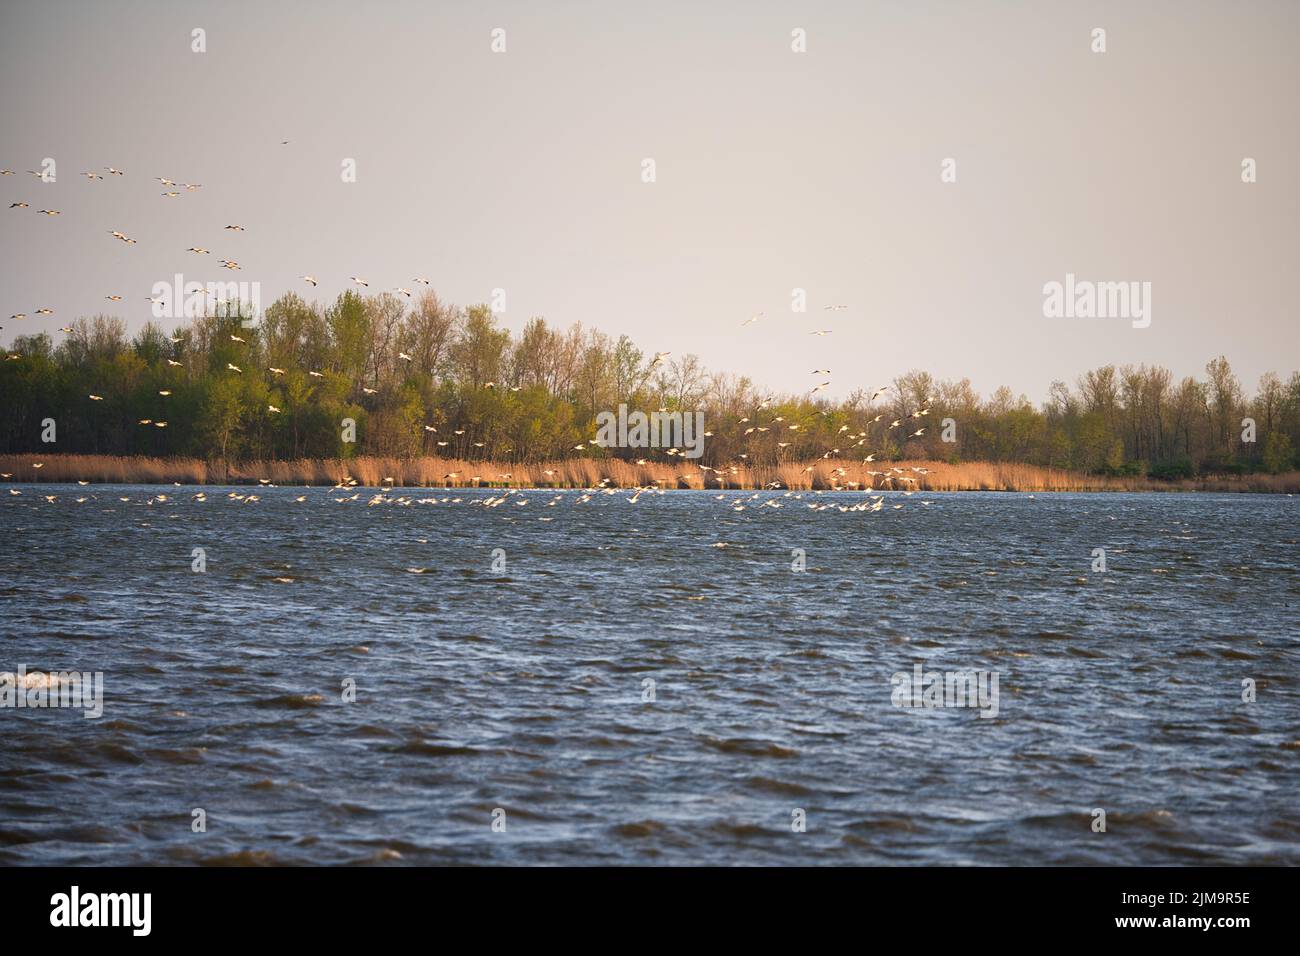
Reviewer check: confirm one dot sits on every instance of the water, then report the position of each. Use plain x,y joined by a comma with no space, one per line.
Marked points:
523,689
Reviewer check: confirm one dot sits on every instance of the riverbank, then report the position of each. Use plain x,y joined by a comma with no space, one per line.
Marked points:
588,472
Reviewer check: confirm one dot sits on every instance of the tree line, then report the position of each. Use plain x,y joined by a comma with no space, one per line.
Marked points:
423,377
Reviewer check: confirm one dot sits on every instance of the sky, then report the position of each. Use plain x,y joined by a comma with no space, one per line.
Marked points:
775,170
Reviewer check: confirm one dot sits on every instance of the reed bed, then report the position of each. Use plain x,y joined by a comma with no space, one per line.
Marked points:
589,472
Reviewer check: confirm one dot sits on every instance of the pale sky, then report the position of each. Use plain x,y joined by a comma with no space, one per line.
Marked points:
775,170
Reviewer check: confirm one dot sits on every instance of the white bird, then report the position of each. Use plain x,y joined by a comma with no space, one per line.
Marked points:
231,228
272,408
404,357
233,368
311,279
361,282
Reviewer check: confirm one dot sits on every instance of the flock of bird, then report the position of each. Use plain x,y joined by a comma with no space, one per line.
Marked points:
348,492
888,478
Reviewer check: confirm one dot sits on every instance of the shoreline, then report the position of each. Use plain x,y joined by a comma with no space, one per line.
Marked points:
823,475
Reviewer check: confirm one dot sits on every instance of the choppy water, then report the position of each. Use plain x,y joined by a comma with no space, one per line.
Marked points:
522,689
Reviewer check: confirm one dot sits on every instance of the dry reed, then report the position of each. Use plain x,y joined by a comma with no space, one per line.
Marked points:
588,472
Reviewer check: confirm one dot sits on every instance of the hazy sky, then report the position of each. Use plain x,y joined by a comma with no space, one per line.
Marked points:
775,170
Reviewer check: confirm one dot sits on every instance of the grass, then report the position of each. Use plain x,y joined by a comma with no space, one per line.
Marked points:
587,472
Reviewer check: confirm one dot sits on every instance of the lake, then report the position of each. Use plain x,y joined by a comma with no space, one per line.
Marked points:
689,678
